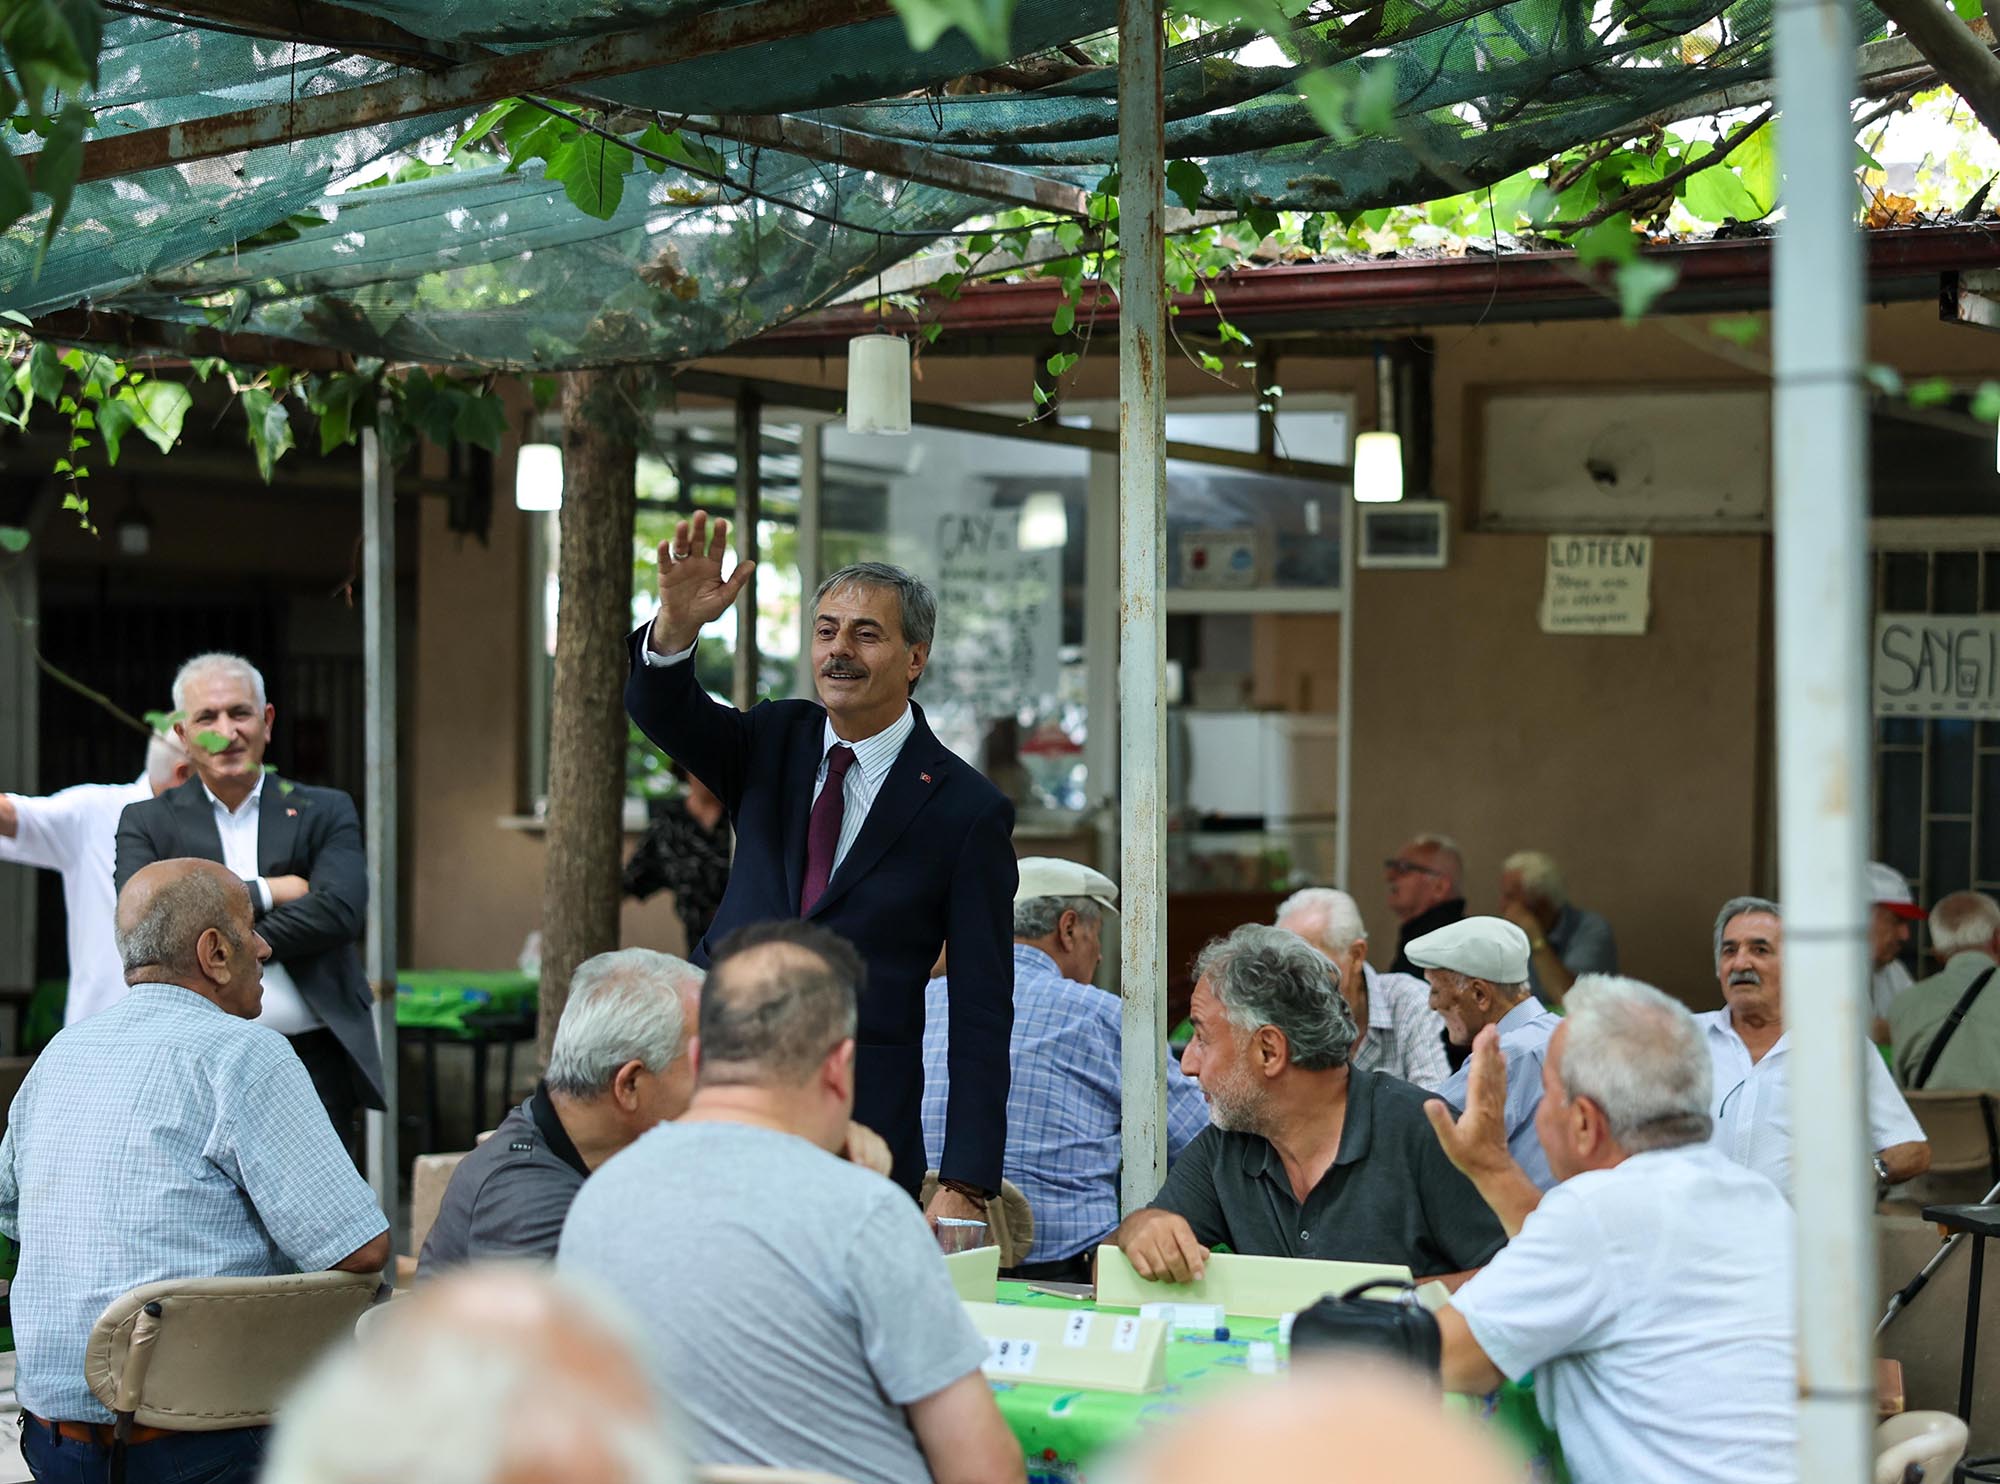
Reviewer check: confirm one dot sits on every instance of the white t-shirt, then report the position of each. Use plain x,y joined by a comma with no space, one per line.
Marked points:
1888,982
285,1009
1653,1302
1752,1102
75,831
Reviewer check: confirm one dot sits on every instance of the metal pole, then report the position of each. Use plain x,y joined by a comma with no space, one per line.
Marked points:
812,491
1343,757
749,509
1142,633
378,622
1820,462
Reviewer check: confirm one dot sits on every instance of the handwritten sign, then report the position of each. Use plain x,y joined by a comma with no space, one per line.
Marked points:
1597,585
999,612
1937,664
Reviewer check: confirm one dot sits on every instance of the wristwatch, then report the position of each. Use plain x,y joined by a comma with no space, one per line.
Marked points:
967,1189
1882,1181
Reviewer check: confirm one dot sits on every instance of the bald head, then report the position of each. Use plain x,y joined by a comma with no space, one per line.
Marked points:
188,922
1390,1427
493,1374
779,996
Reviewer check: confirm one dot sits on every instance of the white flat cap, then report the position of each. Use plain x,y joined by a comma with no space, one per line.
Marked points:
1489,948
1046,876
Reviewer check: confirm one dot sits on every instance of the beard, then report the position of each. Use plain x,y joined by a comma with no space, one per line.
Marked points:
1235,1108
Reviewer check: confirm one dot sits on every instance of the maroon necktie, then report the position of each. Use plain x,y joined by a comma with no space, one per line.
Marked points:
823,829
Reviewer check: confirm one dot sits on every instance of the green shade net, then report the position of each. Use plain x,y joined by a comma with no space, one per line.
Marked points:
488,268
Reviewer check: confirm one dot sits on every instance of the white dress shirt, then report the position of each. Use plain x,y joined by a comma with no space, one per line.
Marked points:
1752,1102
873,757
75,832
1653,1302
285,1009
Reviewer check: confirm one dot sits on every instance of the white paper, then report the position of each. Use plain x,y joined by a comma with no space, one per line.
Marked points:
1076,1334
1010,1357
1597,585
1125,1338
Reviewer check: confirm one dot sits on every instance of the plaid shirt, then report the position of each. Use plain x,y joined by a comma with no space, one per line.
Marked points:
1062,1106
162,1138
1405,1035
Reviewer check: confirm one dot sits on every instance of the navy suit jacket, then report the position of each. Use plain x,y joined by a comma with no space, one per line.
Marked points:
301,831
933,867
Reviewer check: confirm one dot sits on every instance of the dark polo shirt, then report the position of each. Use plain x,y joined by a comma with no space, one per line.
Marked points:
1390,1195
508,1197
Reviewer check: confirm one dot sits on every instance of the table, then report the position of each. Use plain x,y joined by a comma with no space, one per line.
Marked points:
1064,1431
479,1009
1978,1223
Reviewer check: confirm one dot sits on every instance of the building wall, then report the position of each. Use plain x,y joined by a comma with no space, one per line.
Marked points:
1640,763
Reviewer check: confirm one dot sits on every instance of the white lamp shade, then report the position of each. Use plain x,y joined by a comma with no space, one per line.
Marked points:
1378,468
1044,522
878,384
538,477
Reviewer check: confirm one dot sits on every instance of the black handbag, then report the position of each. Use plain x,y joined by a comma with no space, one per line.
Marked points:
1400,1326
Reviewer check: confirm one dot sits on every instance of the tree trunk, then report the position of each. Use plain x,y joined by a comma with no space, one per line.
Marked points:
585,840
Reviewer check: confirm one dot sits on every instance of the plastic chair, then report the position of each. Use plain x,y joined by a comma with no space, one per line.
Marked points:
1919,1448
207,1354
1009,1219
1960,1127
746,1473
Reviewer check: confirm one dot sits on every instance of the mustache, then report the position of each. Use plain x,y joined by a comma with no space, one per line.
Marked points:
1746,976
843,670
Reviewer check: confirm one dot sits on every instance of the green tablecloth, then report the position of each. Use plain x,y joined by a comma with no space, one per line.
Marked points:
1063,1431
455,1000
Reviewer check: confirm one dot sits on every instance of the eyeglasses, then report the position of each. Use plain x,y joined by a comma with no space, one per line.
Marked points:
1395,865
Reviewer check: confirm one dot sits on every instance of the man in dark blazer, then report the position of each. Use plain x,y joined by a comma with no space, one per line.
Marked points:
299,851
853,814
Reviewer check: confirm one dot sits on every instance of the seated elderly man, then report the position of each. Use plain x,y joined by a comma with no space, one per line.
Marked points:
1478,971
1308,1157
1746,1038
1650,1292
619,1065
1946,1029
1564,940
800,1314
166,1137
1063,1110
1398,1032
498,1373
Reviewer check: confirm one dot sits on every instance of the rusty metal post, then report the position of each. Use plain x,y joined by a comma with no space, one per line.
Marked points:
1142,625
1819,444
378,629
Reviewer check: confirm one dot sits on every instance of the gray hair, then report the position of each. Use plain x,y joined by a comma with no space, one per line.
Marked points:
1963,920
1541,877
622,1007
780,995
1337,924
1036,917
1736,907
201,664
176,916
163,755
1454,858
1639,1055
421,1394
1267,976
916,603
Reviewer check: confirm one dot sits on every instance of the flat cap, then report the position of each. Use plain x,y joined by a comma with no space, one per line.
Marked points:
1047,876
1489,948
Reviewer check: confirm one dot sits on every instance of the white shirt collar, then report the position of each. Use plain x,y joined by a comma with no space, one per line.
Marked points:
1519,1016
873,755
256,791
1723,1023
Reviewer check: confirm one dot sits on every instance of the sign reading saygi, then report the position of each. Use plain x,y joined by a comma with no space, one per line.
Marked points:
1597,585
1937,664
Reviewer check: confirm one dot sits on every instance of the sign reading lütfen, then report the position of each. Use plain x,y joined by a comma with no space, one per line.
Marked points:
1597,585
1937,664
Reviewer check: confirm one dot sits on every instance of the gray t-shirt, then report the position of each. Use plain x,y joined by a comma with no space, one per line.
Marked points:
795,1303
508,1197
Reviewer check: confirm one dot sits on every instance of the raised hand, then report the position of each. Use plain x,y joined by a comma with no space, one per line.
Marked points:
693,592
1476,1140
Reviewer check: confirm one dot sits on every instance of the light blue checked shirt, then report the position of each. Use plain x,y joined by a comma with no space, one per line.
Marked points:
1524,1040
162,1138
1062,1106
